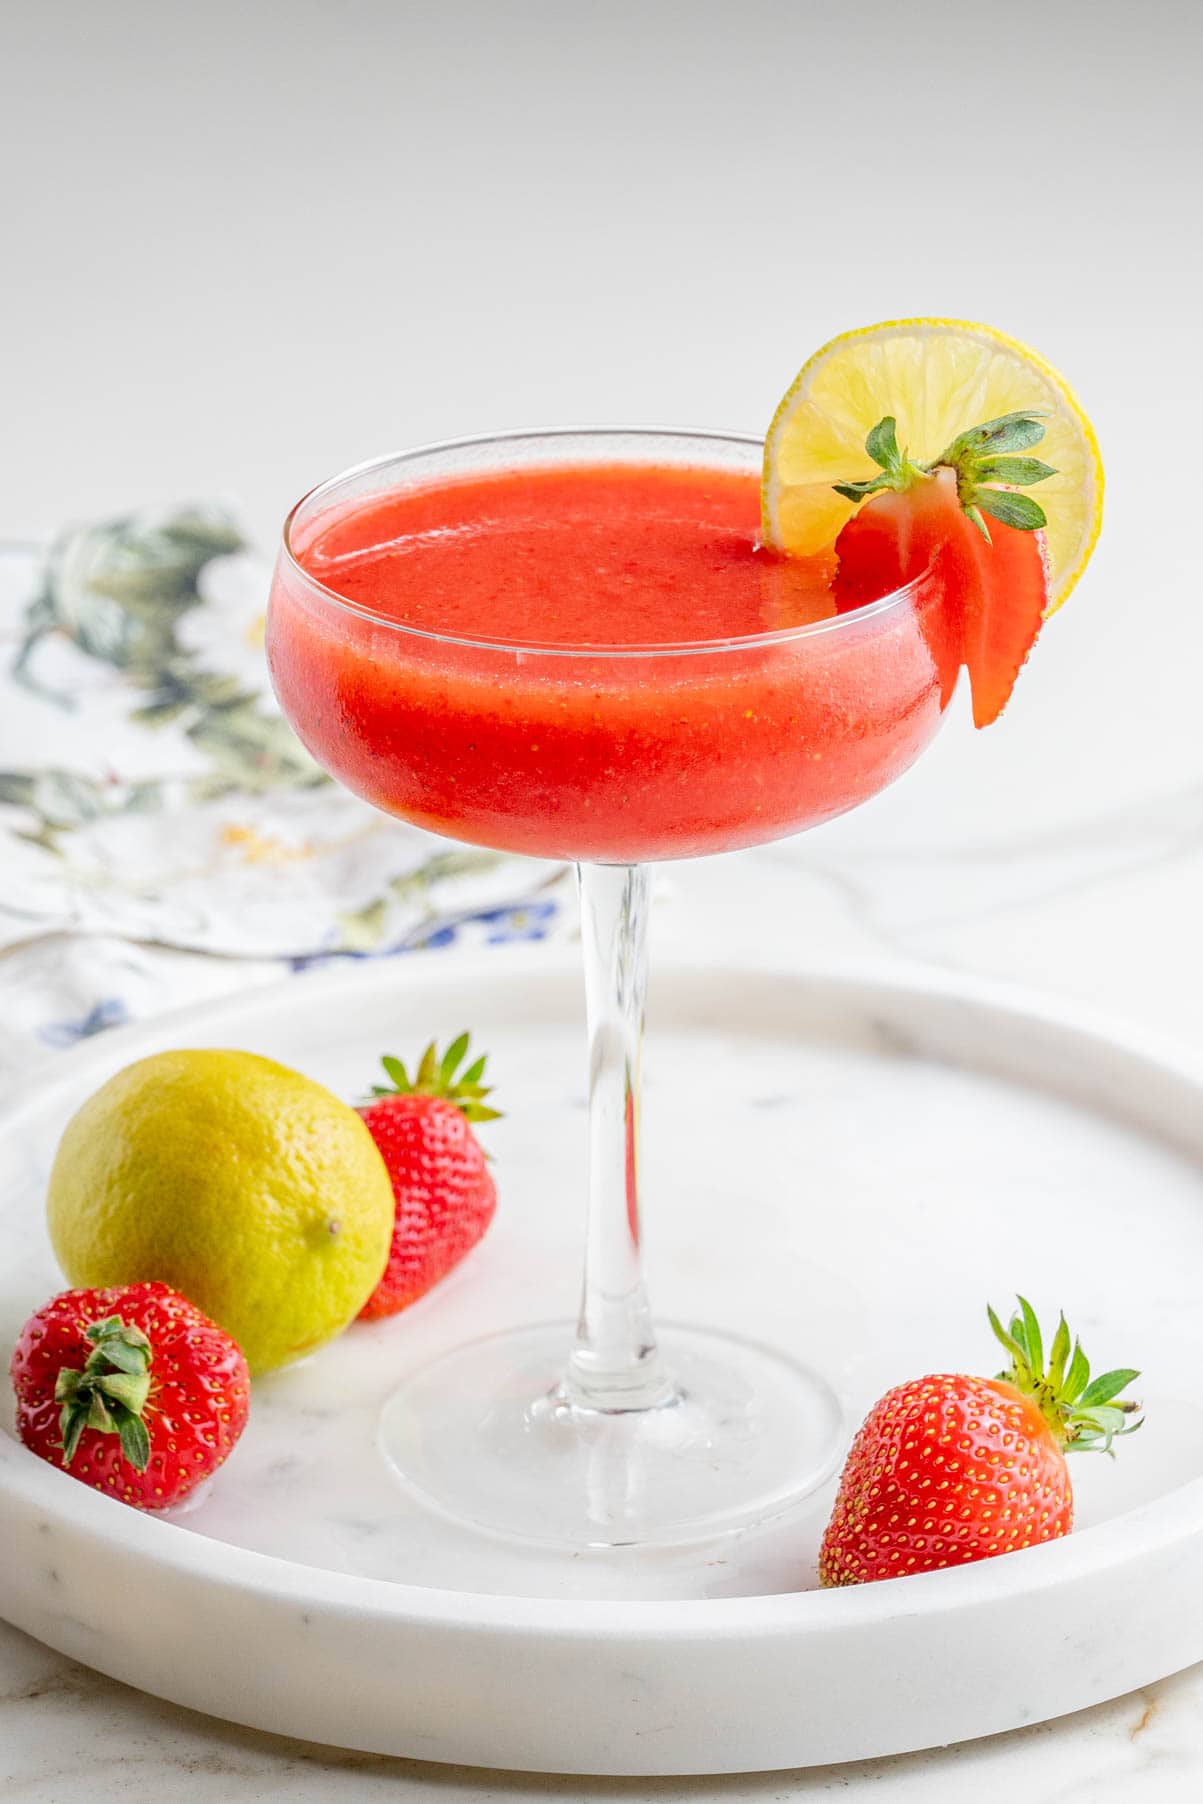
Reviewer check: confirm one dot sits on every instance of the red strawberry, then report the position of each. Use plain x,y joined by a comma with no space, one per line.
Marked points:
131,1389
994,573
950,1468
444,1190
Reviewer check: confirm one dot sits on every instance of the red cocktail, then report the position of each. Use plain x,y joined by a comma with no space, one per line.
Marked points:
570,645
593,660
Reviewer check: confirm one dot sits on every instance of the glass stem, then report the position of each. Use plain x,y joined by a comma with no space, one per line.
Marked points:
614,1364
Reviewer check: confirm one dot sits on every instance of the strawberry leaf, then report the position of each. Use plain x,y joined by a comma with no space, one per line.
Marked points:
897,472
66,1385
1022,471
452,1057
1110,1420
135,1441
973,515
1031,1338
882,445
96,1331
124,1388
1013,510
98,1414
1006,1338
1106,1386
1078,1376
72,1422
1009,432
857,491
117,1352
1058,1354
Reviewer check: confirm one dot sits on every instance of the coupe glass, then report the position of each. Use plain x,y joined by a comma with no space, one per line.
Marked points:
609,1433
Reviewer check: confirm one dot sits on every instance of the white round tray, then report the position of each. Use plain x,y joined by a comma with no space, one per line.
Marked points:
847,1164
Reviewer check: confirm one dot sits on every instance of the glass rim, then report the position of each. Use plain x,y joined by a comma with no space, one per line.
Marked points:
701,435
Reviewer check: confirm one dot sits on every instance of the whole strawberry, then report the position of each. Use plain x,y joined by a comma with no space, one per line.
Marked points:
950,1468
444,1190
130,1389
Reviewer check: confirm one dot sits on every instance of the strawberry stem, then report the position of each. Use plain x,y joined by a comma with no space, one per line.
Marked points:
981,458
1085,1415
441,1075
110,1393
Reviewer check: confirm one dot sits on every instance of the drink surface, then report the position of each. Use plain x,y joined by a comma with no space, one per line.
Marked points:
616,744
604,555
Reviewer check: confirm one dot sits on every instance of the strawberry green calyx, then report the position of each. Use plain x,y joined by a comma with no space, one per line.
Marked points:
981,458
1084,1414
110,1393
441,1075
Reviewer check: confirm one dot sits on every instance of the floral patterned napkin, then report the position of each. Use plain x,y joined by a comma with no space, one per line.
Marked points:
163,836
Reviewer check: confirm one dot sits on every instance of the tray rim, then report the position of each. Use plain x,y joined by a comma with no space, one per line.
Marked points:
1155,1527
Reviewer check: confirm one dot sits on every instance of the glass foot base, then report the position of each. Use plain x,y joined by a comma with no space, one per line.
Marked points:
486,1435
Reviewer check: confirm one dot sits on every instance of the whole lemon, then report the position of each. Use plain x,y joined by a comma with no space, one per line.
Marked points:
245,1186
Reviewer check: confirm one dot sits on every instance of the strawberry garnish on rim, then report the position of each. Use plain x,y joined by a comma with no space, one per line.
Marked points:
873,456
962,516
953,1468
444,1191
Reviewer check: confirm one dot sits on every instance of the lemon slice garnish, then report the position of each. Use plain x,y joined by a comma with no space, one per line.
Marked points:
937,378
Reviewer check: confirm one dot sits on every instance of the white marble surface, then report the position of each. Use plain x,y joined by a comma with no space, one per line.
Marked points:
250,251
